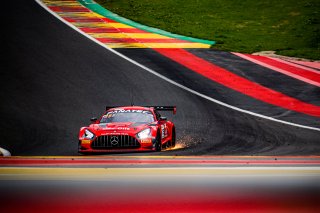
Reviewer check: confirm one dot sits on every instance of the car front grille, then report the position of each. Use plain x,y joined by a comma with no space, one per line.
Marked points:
115,142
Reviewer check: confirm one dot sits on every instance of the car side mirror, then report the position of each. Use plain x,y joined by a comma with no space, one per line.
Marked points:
163,118
94,119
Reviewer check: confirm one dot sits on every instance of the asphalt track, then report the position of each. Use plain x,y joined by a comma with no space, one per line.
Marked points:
54,79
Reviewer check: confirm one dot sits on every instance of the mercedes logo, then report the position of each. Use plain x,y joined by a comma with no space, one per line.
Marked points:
114,140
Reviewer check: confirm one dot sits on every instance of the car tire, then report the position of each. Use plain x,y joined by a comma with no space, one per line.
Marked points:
79,147
158,143
173,137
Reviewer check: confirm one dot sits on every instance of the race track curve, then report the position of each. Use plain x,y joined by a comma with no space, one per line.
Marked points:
54,79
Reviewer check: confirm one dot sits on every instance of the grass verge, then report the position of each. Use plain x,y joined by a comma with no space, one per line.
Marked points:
288,27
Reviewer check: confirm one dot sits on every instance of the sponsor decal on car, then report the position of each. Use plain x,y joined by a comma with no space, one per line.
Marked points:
164,130
114,133
117,128
128,111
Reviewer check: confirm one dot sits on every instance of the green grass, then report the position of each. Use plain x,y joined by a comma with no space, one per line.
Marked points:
289,27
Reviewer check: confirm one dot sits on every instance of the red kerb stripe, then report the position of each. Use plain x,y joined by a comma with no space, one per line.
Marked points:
68,9
99,30
140,40
295,70
26,162
238,83
110,30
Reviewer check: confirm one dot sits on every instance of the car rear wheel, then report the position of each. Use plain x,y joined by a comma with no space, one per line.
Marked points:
158,143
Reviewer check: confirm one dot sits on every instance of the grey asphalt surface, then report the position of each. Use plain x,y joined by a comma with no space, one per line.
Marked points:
53,80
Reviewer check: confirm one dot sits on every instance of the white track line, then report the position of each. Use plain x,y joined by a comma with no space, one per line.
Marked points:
169,80
4,152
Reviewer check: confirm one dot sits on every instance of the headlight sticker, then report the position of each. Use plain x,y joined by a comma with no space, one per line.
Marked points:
83,142
146,141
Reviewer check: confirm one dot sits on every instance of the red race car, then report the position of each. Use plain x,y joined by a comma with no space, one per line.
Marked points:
129,128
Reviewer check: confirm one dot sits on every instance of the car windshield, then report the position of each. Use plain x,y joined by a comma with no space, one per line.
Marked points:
134,116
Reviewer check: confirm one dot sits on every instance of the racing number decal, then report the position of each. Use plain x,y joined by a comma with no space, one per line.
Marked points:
164,131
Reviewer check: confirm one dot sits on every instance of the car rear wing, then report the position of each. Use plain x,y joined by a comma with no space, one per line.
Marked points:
165,108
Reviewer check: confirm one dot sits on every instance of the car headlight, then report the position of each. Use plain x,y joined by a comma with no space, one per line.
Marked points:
144,134
88,134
